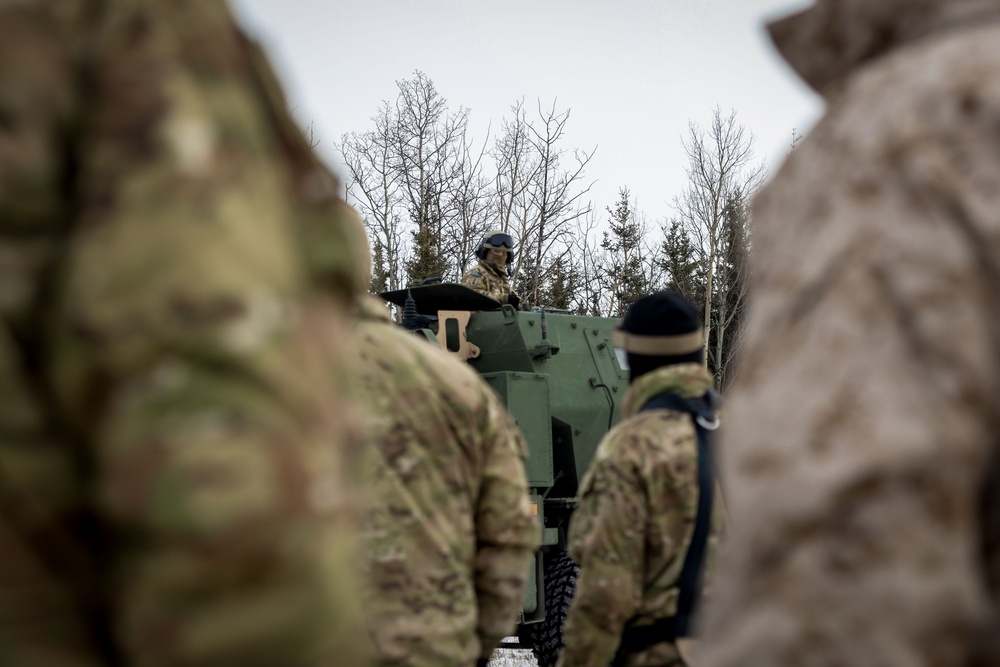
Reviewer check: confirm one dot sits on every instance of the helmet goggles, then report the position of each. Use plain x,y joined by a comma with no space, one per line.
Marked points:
499,241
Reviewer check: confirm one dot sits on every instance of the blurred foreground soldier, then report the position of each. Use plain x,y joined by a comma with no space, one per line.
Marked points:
867,403
451,533
174,265
489,276
648,510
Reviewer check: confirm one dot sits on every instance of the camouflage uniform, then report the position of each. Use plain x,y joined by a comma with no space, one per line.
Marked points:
867,402
451,534
488,279
636,516
174,265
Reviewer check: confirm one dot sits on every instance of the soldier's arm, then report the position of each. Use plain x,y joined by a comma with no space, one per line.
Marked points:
474,279
607,542
186,352
506,530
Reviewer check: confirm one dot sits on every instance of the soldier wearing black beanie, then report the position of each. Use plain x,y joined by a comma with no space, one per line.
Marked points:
650,482
660,329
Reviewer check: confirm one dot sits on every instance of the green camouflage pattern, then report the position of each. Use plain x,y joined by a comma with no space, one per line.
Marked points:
630,533
175,273
451,531
488,279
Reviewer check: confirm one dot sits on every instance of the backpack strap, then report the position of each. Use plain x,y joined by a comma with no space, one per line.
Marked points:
669,629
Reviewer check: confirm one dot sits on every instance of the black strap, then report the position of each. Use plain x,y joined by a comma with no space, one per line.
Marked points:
640,638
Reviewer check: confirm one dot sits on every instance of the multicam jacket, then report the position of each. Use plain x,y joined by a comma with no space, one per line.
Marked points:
175,271
451,532
864,514
488,279
632,528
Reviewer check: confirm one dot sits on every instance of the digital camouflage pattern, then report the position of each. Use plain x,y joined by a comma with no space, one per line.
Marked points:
630,533
488,279
175,272
451,533
866,407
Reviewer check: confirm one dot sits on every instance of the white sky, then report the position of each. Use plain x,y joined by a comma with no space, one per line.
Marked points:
633,72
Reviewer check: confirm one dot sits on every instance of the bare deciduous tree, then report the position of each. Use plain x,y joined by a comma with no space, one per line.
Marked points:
373,186
591,297
430,142
472,199
415,177
538,197
555,195
515,168
720,170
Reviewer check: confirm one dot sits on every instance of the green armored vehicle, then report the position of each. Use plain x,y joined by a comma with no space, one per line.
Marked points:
559,377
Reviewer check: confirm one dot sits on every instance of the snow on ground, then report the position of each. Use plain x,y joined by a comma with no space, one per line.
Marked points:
513,657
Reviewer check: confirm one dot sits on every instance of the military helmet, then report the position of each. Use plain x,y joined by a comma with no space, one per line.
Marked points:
499,241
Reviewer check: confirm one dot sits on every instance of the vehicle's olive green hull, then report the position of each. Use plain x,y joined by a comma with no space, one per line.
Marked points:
564,391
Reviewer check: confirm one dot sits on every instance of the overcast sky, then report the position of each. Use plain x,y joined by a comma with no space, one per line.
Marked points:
634,73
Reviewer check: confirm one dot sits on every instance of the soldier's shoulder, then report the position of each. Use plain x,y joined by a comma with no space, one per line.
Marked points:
456,377
384,348
619,445
651,436
665,427
431,365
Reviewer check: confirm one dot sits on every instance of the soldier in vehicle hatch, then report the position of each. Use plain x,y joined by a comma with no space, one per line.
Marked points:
647,519
176,280
489,276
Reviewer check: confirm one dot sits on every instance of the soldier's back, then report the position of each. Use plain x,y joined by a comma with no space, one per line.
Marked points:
448,485
635,522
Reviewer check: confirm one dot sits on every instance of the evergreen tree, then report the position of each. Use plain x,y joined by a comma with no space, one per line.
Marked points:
679,261
380,271
623,269
558,281
562,285
428,259
523,283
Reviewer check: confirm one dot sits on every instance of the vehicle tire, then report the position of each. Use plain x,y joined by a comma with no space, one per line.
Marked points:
545,638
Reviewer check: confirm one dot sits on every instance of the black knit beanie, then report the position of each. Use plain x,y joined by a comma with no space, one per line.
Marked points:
651,320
